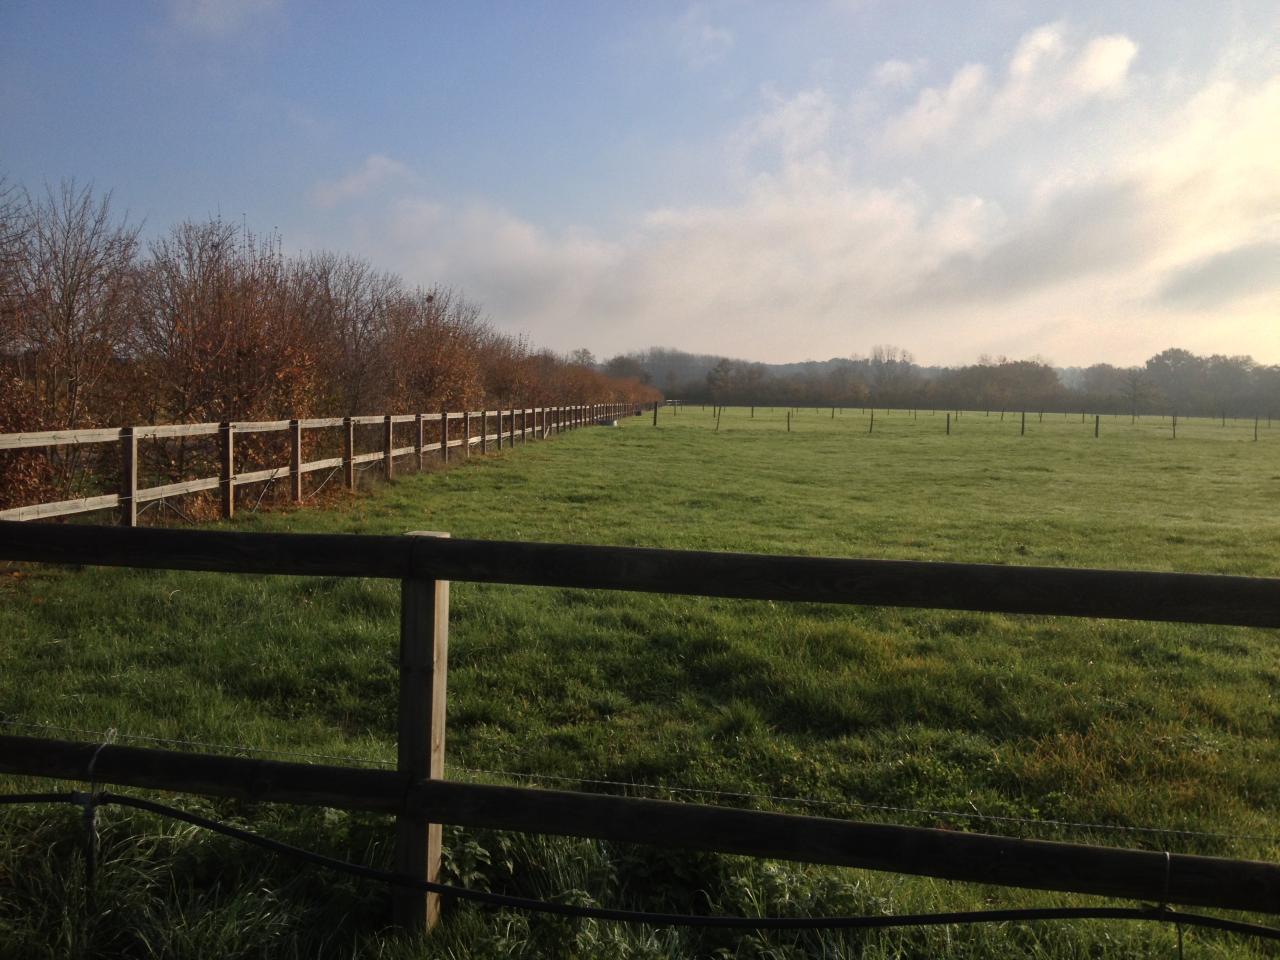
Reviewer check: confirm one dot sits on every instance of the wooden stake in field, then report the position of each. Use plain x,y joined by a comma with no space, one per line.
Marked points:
948,423
1175,426
655,412
788,421
1023,432
872,425
1097,425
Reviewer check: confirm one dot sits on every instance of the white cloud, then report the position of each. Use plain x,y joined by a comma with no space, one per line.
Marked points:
897,74
377,170
1103,67
219,18
700,42
1154,240
938,112
796,127
1046,76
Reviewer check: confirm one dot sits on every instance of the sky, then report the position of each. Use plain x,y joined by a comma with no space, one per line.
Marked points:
776,181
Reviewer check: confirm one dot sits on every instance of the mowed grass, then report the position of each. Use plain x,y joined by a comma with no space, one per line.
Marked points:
943,716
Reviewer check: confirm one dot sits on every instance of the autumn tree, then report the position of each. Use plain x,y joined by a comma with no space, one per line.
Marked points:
75,282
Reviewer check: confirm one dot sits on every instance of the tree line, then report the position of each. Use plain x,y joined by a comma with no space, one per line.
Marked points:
211,322
1173,381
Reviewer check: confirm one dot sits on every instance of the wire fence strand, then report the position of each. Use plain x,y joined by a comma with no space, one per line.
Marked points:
1041,824
1156,914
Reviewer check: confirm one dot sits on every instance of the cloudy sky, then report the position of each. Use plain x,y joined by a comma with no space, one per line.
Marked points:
770,180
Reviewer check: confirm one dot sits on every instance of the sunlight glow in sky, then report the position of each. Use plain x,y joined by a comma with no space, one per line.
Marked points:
773,181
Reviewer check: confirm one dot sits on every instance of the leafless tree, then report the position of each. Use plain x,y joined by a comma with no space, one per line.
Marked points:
75,281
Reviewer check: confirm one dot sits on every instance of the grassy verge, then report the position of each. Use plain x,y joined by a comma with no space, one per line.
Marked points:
942,714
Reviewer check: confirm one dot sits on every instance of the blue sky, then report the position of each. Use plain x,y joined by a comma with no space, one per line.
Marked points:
777,181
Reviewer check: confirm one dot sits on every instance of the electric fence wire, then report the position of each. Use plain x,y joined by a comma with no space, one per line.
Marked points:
282,471
915,811
1033,823
331,475
96,736
1158,913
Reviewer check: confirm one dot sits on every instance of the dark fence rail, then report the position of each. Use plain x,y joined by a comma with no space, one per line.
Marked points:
422,799
973,857
1118,594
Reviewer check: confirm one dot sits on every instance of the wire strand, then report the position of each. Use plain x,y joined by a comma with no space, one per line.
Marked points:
1031,822
234,748
1148,914
919,811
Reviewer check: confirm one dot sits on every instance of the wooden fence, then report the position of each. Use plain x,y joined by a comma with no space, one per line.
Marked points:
511,426
421,798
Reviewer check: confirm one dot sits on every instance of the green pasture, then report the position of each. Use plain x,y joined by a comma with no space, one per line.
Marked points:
1158,736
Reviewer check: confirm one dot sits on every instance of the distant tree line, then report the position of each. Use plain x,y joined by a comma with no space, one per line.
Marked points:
1173,381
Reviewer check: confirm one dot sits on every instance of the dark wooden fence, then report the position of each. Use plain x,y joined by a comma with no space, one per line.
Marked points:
421,798
509,426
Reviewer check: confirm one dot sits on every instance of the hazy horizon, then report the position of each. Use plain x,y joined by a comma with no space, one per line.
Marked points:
774,184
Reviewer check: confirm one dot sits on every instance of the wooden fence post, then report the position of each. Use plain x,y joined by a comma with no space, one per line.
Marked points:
227,480
424,666
948,423
417,439
484,431
524,425
1023,431
1097,424
295,460
655,412
388,461
128,478
348,451
444,436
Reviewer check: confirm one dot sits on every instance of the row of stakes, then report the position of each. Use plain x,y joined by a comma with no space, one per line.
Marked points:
716,411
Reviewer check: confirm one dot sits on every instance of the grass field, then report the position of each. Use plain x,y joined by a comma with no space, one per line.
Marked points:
949,716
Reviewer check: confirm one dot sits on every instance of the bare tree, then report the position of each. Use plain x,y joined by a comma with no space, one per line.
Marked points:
75,280
14,225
